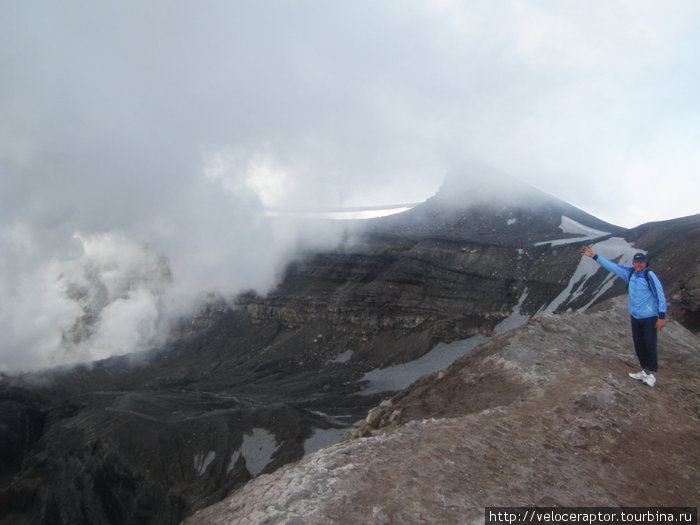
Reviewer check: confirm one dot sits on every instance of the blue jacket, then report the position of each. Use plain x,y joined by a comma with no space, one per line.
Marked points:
642,302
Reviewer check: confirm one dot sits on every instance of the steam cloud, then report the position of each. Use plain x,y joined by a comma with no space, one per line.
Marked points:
140,142
88,296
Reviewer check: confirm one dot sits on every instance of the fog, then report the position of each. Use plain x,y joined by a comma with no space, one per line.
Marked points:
142,143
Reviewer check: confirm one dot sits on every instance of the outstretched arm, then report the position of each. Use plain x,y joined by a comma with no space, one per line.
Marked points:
623,272
588,251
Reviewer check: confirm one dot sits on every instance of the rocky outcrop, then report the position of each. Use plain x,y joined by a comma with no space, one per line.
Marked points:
544,415
447,288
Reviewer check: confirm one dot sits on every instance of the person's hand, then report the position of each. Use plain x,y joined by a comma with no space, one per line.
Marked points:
660,323
587,251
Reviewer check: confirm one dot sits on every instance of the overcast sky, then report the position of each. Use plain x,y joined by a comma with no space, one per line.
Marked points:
146,128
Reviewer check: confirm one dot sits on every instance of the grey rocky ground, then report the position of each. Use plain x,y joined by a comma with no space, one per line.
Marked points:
543,415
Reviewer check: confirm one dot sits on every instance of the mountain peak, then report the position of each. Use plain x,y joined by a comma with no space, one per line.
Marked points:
480,184
487,206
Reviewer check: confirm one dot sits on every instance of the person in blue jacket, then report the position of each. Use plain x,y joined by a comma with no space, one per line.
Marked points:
647,306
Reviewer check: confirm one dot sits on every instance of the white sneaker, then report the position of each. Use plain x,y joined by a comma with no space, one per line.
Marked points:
642,376
650,380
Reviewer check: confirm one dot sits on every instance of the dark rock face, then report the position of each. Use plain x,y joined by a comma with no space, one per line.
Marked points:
246,389
22,417
142,456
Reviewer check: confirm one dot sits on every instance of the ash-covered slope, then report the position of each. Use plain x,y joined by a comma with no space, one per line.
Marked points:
543,415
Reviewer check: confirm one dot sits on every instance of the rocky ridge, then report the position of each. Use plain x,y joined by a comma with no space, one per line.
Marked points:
543,415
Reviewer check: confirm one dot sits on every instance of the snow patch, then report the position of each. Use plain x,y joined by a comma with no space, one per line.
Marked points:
343,358
515,319
569,225
395,378
201,462
510,222
322,438
232,463
257,449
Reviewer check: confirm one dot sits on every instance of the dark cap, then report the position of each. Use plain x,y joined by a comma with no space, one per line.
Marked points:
640,257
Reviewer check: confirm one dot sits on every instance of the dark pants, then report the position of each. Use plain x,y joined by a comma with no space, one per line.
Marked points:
644,336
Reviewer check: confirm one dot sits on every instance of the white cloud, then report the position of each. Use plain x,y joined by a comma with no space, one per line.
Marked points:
34,310
238,173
